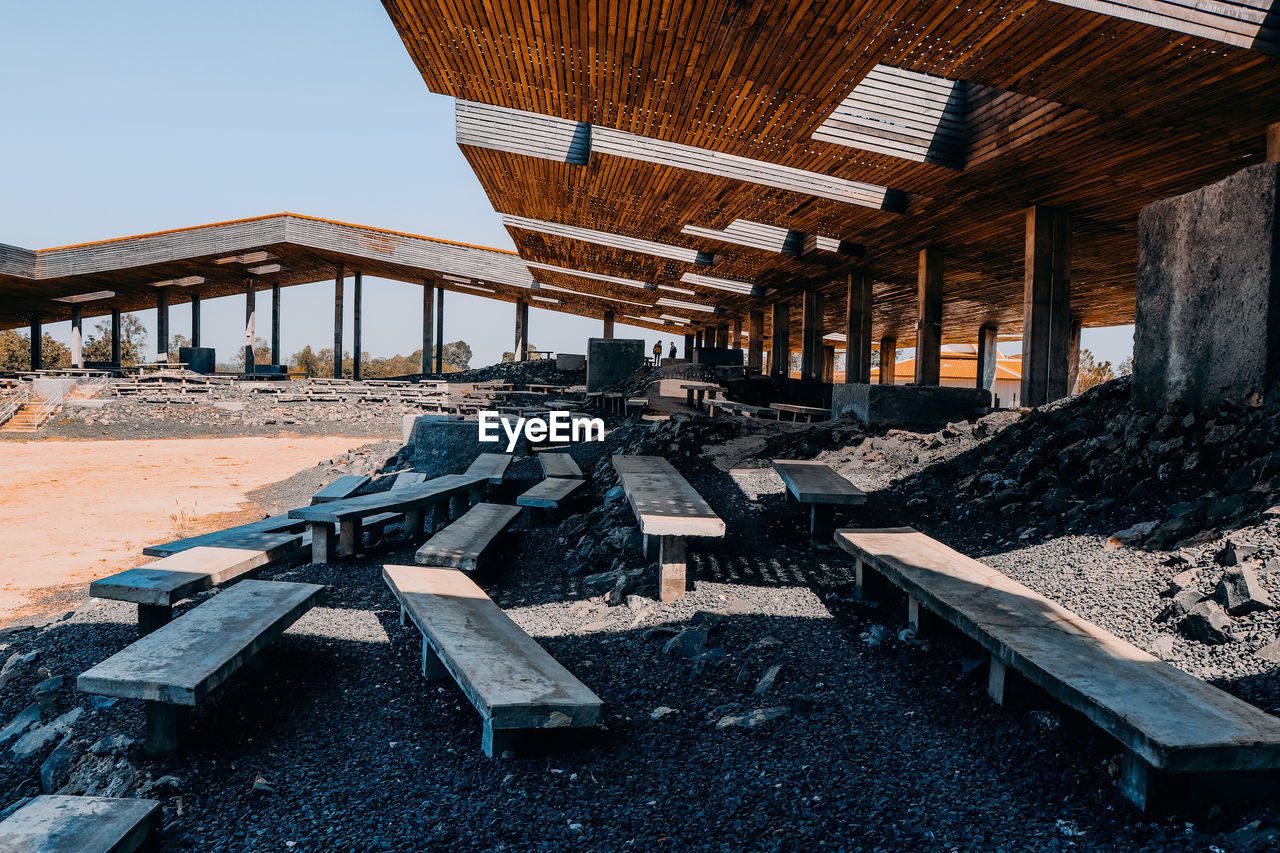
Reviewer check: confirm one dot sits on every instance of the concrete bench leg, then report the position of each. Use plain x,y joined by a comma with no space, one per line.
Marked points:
431,665
650,547
348,537
822,524
922,622
871,584
1010,690
477,494
164,727
457,506
321,542
671,568
153,616
1148,788
413,524
689,398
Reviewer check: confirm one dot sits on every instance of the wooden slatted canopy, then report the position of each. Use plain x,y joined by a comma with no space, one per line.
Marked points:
1095,106
285,249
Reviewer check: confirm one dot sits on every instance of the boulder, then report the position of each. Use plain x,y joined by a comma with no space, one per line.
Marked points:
1208,623
1240,593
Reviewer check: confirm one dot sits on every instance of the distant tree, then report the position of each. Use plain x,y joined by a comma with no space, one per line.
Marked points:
1092,372
133,341
1125,367
307,361
457,357
508,356
177,342
261,354
15,351
396,365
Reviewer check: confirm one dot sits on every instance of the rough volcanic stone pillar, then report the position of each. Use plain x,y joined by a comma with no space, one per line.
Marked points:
115,336
77,336
857,359
608,325
755,341
987,337
811,336
688,347
162,325
357,325
275,323
428,323
195,320
888,360
439,330
37,343
780,354
1208,306
337,323
250,323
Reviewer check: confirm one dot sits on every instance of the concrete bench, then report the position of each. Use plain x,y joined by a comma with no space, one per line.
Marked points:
179,664
53,823
668,509
157,586
408,478
549,494
340,489
695,391
256,535
1182,737
490,465
809,413
744,409
517,687
559,465
466,541
636,407
819,486
409,501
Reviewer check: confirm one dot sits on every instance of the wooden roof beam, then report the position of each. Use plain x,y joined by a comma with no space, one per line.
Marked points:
605,238
775,238
1250,24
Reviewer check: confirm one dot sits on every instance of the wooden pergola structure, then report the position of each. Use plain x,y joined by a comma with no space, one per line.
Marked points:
893,172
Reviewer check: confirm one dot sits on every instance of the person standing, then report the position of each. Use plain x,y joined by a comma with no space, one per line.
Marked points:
672,354
657,354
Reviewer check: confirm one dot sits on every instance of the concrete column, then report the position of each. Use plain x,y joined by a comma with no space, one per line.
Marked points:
829,363
1046,306
275,323
77,336
1073,354
688,346
735,337
987,358
608,324
37,343
780,354
888,360
755,341
162,324
439,330
811,336
357,328
195,319
115,336
722,336
1273,143
521,347
337,322
250,323
428,324
929,318
857,331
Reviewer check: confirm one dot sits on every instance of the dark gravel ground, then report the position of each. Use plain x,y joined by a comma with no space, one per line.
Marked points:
881,743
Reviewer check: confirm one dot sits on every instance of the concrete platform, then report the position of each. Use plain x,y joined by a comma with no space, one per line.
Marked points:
62,824
491,465
663,501
549,493
256,535
343,487
559,465
466,541
510,679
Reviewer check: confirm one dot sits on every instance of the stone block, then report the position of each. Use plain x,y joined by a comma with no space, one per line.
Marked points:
1208,293
918,406
570,361
198,359
610,361
718,357
447,444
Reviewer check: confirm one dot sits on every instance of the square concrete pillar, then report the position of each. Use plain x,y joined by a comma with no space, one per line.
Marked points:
37,343
275,323
195,321
929,318
755,341
162,324
608,325
1208,306
77,336
428,323
987,337
520,348
857,359
439,330
357,325
337,322
811,336
115,336
1046,306
688,347
780,355
735,336
888,360
250,323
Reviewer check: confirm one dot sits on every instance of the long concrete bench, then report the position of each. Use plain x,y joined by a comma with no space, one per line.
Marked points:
409,501
255,535
178,665
518,688
467,541
157,586
490,465
822,488
1181,736
559,465
549,494
809,413
53,823
744,409
668,509
341,488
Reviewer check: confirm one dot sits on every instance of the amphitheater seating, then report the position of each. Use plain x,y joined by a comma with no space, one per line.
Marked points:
179,664
255,535
490,465
53,823
343,487
668,509
549,494
1182,737
519,689
823,489
559,465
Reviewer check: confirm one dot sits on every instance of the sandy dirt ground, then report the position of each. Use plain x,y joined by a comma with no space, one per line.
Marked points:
78,510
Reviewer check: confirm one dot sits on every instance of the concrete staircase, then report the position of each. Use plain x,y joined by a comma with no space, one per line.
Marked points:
38,409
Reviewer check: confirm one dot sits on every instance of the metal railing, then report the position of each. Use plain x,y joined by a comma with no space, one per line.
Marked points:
12,402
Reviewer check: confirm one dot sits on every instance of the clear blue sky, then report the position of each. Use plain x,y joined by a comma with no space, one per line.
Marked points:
142,115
